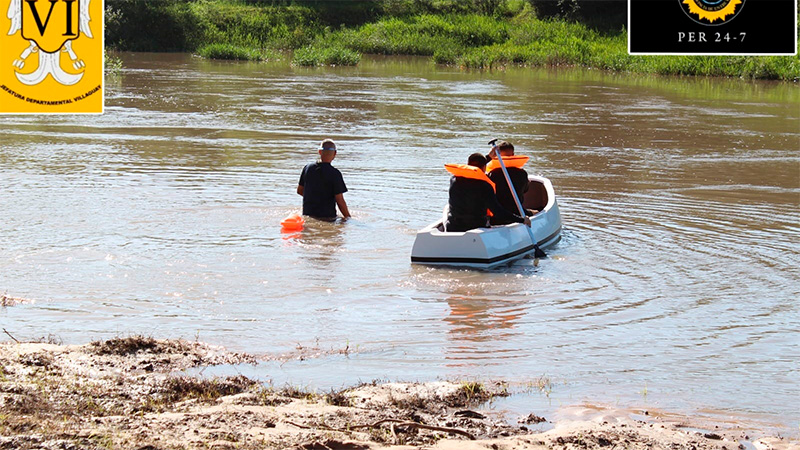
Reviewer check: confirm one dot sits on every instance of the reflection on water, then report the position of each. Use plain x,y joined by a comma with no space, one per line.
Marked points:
476,320
320,243
677,270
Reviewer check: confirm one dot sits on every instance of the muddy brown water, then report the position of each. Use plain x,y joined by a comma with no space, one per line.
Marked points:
675,286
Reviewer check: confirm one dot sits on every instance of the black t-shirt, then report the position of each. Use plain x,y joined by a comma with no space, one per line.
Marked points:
519,178
469,200
321,184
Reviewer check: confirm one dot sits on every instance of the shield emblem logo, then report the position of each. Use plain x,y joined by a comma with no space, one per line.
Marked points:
50,23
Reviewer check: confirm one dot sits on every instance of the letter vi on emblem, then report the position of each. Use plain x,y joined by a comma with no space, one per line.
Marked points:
51,58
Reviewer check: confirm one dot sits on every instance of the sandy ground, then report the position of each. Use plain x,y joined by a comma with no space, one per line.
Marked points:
128,393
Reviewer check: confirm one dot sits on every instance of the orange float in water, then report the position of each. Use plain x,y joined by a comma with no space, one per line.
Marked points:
293,222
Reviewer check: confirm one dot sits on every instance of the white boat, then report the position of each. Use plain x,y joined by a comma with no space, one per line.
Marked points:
486,248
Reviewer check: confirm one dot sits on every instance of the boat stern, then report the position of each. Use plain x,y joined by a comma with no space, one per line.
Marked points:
481,247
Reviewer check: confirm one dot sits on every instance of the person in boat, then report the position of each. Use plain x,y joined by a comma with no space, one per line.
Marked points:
518,175
322,186
471,194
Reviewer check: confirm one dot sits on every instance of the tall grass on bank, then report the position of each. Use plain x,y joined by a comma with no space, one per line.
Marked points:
180,25
236,52
481,42
424,34
480,34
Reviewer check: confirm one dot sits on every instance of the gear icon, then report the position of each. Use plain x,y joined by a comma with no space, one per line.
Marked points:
712,14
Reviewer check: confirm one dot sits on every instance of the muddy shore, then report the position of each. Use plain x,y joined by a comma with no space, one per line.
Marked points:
129,393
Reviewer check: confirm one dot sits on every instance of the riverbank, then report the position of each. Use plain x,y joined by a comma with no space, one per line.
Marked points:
129,393
510,33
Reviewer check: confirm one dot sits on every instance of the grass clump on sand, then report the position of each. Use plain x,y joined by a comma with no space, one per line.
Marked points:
6,300
135,344
178,389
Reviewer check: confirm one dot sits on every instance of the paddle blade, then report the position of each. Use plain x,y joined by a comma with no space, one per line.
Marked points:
539,253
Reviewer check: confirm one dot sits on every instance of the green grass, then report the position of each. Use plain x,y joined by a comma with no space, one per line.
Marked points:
113,64
236,53
471,35
179,25
325,56
531,42
424,34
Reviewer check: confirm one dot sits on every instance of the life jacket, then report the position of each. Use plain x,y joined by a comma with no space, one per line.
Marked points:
516,161
467,171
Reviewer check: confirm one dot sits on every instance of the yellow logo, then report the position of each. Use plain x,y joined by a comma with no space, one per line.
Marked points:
712,12
51,57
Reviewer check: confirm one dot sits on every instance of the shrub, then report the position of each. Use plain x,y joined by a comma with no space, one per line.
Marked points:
112,66
602,14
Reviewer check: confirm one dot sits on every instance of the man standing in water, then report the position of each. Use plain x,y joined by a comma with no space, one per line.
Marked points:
322,186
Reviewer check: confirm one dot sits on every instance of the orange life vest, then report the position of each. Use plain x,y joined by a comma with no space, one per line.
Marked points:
467,171
510,161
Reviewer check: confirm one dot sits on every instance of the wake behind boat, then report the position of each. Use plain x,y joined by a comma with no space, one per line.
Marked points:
487,248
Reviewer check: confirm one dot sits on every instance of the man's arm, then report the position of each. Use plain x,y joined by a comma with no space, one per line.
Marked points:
342,205
302,183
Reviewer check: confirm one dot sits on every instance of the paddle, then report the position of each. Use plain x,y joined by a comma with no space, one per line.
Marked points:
537,252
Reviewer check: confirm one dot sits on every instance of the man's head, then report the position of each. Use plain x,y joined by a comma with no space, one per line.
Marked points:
477,160
327,150
506,149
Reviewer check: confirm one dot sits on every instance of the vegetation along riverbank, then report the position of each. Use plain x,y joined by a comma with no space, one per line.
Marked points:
476,34
132,393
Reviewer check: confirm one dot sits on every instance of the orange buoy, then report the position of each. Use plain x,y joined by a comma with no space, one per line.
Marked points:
293,222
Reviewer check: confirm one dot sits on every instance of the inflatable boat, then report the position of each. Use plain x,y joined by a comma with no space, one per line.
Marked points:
487,248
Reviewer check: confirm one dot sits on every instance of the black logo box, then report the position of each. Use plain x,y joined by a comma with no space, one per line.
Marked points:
762,27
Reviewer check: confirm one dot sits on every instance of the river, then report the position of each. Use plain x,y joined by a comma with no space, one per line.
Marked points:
675,285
